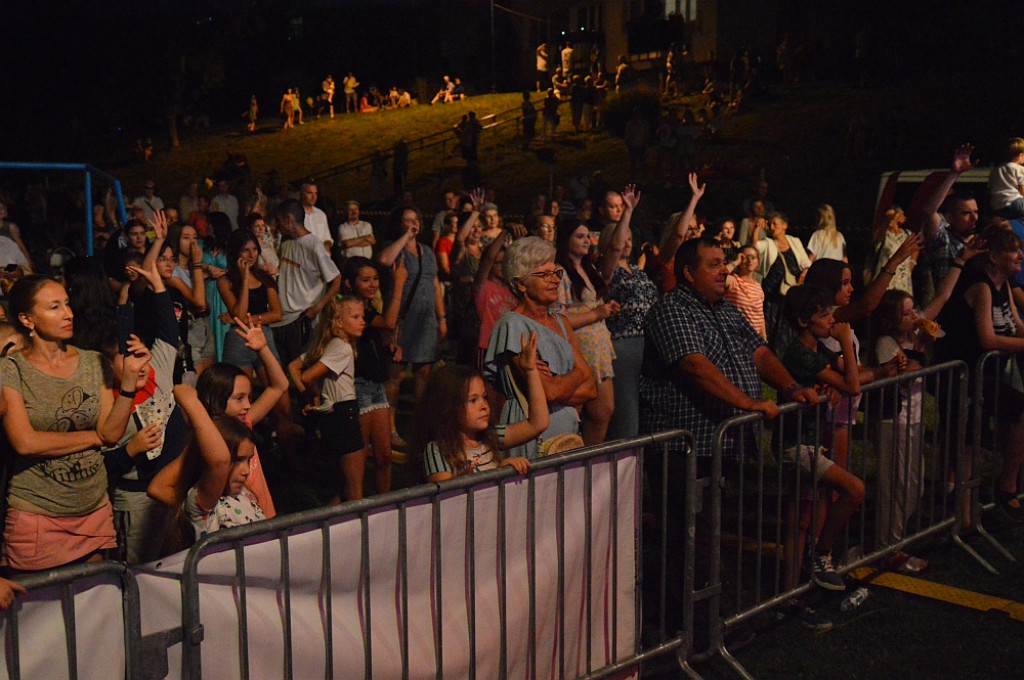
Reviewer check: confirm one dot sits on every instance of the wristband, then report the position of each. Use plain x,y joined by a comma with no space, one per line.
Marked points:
956,265
130,395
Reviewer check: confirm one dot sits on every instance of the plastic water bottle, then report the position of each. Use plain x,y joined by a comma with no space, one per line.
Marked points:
854,600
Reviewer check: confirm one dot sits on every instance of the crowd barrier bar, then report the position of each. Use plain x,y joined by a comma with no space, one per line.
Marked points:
67,579
281,527
968,497
946,381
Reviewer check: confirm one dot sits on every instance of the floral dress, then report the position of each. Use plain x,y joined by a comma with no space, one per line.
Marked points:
903,279
595,340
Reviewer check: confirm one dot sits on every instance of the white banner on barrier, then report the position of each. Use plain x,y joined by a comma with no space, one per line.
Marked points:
94,612
452,590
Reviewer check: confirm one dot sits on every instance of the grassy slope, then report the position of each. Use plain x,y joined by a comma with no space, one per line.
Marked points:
796,137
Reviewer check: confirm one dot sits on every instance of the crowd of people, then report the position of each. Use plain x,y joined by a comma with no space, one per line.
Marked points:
132,384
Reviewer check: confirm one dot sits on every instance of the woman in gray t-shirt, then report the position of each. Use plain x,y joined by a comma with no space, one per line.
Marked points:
60,412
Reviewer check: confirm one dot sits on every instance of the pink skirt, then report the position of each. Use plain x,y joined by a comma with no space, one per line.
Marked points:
33,542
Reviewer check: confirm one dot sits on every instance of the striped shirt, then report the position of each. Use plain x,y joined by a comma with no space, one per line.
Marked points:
748,296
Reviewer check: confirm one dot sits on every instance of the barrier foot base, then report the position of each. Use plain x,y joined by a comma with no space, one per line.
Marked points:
997,545
736,665
974,553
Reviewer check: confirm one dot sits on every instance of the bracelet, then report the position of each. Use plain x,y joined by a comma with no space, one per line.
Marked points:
195,266
441,317
890,273
956,265
130,395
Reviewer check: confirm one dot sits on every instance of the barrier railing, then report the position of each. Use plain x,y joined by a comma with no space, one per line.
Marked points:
994,374
67,625
497,575
756,511
492,576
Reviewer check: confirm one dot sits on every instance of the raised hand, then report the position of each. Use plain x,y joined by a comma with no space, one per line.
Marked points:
136,361
910,247
526,360
973,246
477,196
962,161
251,331
697,189
159,224
630,196
152,275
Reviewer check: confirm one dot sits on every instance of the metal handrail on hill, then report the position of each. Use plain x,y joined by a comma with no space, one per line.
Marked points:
492,121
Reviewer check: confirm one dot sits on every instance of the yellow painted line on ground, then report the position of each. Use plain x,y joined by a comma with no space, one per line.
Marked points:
938,591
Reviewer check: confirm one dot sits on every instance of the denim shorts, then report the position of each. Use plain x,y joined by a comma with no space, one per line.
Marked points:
370,395
237,354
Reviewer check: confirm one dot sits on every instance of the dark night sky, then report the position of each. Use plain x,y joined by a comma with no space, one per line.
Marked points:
79,71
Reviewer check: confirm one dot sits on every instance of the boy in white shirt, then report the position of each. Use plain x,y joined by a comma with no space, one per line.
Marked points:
1006,182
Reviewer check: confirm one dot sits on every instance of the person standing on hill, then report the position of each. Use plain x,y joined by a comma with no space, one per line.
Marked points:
328,88
349,84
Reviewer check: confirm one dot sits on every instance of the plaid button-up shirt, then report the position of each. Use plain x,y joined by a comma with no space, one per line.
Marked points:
682,324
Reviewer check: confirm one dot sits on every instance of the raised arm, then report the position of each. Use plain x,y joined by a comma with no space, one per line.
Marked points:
251,331
611,257
488,258
972,247
962,162
211,445
391,252
389,320
538,418
676,232
114,417
872,296
159,225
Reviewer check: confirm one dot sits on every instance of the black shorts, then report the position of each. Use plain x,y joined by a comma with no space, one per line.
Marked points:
337,431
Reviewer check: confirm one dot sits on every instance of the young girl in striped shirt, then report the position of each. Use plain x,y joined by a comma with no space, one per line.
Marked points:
743,291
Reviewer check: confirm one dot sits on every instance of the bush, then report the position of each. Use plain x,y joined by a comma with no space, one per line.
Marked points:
618,108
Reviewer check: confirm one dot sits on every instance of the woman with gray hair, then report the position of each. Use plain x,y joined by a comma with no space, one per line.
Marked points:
530,271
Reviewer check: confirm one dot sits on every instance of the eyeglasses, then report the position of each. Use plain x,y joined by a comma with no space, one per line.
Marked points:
170,258
550,275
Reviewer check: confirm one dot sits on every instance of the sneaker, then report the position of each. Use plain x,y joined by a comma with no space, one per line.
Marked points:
806,615
397,441
1009,503
823,573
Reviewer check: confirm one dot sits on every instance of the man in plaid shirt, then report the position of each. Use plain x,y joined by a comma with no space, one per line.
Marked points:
703,362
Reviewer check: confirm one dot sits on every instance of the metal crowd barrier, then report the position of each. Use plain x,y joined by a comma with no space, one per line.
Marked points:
569,608
748,509
497,575
77,621
993,373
